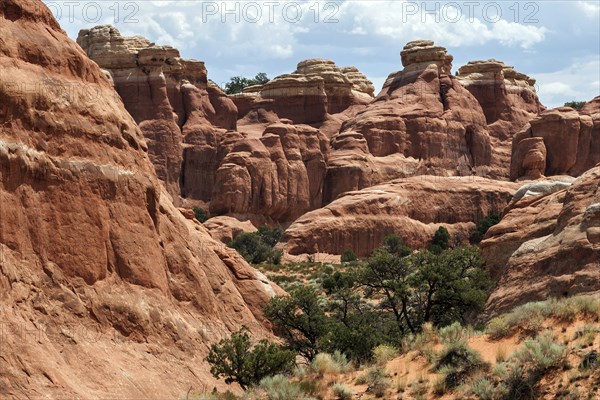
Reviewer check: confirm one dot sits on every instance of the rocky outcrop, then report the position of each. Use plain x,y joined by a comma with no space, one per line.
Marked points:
558,141
225,229
413,208
423,118
168,97
279,175
317,88
548,242
508,98
102,279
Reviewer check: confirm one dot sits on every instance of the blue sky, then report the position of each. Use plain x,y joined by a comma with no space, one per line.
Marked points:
556,42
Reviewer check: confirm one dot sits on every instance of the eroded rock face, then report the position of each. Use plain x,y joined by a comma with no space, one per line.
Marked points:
101,277
225,229
279,175
317,88
422,116
414,208
566,142
169,97
548,242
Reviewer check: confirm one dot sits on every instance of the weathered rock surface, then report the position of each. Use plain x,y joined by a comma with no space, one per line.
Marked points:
414,208
225,229
317,88
548,242
279,175
169,97
422,117
558,141
102,279
508,99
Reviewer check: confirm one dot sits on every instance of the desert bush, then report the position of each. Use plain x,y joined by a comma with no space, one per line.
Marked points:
483,225
325,363
377,381
236,360
348,256
238,83
384,353
257,247
452,333
440,240
483,388
279,387
342,392
540,354
458,361
201,214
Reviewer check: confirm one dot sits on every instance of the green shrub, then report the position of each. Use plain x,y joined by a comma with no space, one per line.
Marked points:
395,245
342,392
483,226
257,247
348,256
377,381
237,360
452,333
200,214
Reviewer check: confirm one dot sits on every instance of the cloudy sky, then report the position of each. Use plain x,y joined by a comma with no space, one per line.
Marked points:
556,42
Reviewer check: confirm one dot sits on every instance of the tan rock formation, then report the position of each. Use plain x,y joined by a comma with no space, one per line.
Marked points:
317,88
225,229
414,208
102,279
570,139
547,244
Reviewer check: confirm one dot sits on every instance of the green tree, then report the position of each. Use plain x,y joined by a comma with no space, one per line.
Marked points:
395,245
257,247
440,241
482,227
348,256
578,105
237,360
299,319
238,83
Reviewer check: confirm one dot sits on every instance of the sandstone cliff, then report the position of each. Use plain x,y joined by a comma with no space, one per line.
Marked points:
548,242
102,280
413,208
558,141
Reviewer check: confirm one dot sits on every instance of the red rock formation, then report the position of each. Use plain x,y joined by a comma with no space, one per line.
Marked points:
279,175
568,140
169,97
102,279
422,113
548,242
414,208
225,229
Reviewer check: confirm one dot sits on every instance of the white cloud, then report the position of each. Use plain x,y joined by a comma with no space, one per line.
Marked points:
591,9
403,21
578,81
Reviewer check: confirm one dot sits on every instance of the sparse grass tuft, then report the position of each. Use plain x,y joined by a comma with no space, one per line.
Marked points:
342,392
